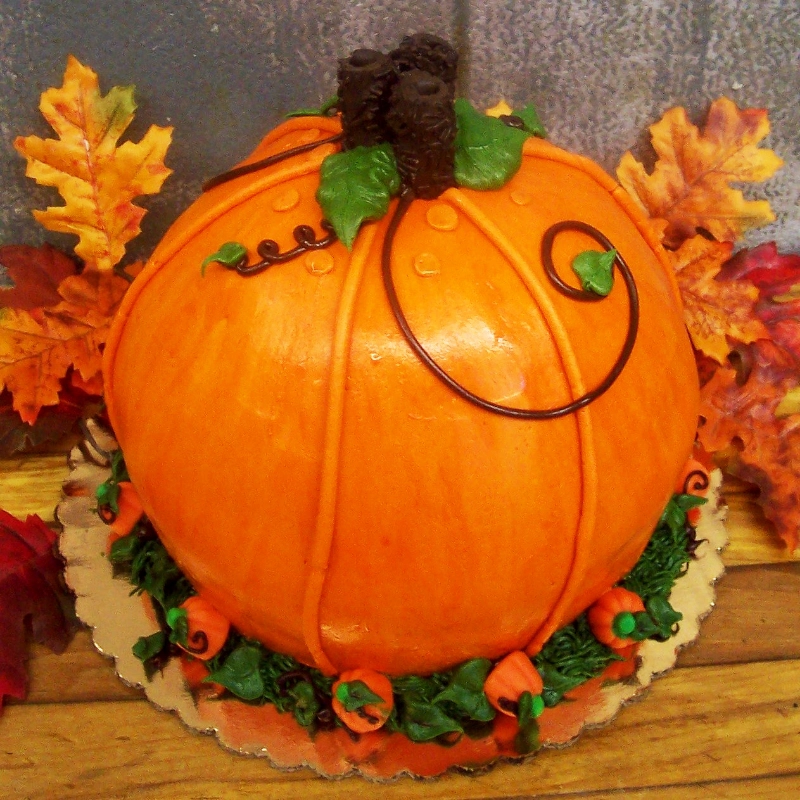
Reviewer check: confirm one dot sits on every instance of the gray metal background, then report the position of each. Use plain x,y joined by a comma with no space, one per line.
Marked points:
224,71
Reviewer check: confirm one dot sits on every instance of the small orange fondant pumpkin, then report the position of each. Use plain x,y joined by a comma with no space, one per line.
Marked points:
323,489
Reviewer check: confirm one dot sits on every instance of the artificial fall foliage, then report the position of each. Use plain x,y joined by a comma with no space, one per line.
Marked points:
742,312
31,598
56,310
690,186
97,177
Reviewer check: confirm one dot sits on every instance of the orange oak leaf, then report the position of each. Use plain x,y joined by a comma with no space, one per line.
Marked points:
96,177
39,346
766,449
690,186
715,311
31,275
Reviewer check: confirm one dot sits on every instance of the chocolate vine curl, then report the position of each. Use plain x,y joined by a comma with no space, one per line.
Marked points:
406,198
696,481
197,643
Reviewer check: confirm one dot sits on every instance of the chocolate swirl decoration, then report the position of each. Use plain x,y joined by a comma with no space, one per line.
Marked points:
197,643
696,481
269,249
406,198
263,163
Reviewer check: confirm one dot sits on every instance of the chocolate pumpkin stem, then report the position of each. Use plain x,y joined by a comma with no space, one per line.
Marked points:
365,81
428,53
422,121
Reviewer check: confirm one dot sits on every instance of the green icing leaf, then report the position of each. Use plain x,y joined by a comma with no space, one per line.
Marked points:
240,674
595,270
424,721
322,111
356,694
465,690
530,117
306,703
488,152
527,739
229,255
148,646
124,550
178,621
356,186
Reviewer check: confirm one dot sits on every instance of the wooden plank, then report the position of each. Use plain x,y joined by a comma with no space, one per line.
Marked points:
755,618
32,485
707,724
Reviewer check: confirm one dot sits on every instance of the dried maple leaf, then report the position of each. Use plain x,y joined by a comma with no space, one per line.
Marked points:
715,311
97,179
31,597
742,412
32,275
690,186
38,347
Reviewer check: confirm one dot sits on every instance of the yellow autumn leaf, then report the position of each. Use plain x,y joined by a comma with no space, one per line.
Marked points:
690,186
96,178
715,311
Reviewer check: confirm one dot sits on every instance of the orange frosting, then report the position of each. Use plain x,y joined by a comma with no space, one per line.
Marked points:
332,497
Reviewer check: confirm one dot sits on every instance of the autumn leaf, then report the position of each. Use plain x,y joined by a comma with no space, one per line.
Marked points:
39,346
96,177
30,597
741,410
31,275
778,280
690,186
715,311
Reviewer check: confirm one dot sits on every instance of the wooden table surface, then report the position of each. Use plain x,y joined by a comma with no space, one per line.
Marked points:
724,724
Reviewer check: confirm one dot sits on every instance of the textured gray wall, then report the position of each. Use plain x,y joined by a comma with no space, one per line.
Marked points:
223,71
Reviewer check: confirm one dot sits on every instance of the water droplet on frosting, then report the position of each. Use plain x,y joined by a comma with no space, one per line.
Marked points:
286,200
319,263
426,264
442,217
520,197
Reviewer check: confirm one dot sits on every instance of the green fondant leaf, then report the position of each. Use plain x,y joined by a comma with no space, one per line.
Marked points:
530,117
488,152
124,550
595,270
306,703
465,690
527,739
148,646
356,694
356,186
423,721
322,111
240,674
229,255
178,621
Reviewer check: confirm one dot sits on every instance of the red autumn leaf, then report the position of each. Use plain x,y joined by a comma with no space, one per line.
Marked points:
32,275
778,279
31,599
740,410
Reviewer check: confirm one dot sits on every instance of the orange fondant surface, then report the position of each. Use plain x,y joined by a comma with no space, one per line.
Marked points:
325,491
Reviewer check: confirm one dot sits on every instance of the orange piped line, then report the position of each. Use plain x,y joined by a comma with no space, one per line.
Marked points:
588,460
162,256
325,525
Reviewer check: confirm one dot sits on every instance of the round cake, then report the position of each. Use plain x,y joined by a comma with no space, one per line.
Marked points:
409,387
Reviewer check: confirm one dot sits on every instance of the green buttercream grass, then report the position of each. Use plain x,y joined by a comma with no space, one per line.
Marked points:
439,707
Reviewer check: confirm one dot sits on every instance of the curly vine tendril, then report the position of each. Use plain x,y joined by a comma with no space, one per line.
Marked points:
577,294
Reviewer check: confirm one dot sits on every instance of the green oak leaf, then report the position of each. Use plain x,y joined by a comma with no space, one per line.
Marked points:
240,673
595,270
229,255
356,186
488,152
465,690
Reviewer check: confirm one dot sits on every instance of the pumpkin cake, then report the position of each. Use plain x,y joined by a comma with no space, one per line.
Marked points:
401,397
